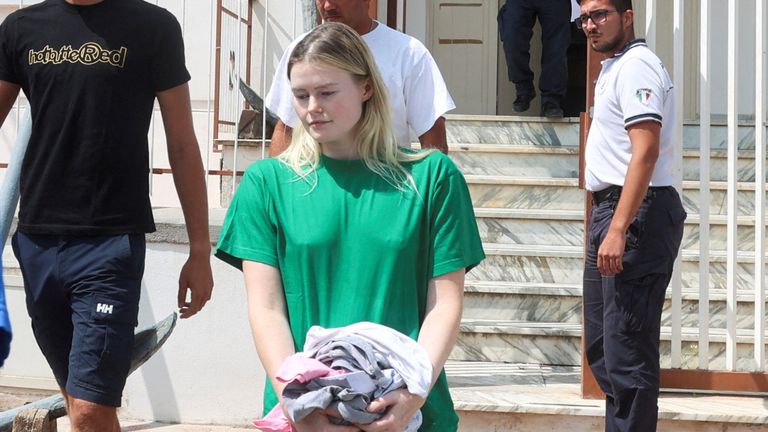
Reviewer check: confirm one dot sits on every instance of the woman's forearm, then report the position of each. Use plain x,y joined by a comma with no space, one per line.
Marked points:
441,324
268,318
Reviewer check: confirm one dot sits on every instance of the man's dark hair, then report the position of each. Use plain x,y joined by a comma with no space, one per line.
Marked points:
622,5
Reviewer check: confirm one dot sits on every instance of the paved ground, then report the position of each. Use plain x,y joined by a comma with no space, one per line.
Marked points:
12,398
137,426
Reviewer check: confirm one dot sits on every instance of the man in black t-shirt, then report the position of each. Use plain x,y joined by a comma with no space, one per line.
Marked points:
92,70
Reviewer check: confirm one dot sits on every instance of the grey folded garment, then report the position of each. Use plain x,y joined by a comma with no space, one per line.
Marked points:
369,376
350,404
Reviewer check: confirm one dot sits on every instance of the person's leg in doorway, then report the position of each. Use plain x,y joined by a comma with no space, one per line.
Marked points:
554,17
516,21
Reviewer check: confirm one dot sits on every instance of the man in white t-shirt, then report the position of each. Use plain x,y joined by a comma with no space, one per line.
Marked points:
636,224
418,95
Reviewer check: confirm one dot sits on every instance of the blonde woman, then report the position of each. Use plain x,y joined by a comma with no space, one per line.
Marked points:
345,227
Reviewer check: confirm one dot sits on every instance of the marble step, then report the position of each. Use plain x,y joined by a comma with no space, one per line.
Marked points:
532,227
518,160
522,301
512,130
525,193
719,136
564,194
563,162
566,228
553,343
564,264
718,165
517,130
504,397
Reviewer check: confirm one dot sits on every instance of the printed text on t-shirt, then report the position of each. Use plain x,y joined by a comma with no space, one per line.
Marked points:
89,53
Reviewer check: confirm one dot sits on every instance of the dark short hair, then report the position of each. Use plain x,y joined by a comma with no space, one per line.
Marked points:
622,5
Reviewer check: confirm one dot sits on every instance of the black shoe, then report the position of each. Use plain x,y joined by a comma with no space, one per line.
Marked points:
551,110
523,102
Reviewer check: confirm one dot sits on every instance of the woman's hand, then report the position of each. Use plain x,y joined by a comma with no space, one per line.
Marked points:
318,421
398,407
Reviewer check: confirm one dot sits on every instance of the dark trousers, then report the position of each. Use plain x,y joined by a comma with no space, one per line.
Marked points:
622,313
516,20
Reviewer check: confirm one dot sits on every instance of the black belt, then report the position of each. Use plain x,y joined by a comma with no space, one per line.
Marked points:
612,193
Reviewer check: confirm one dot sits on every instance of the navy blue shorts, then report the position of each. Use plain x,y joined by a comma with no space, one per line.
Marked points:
83,299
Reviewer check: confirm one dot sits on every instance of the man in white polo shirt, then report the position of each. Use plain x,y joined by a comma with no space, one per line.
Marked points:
637,219
418,96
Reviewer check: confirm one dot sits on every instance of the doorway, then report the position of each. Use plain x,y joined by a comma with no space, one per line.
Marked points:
464,39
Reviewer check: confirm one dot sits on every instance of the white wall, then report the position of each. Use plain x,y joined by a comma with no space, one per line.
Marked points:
207,372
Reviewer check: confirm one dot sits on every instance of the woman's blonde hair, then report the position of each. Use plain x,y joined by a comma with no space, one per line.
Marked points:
339,46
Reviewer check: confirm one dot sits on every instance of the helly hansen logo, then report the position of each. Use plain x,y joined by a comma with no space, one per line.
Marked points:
104,308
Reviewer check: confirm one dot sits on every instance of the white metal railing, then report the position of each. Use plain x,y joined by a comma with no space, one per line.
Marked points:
676,284
238,96
760,154
733,157
650,24
704,175
736,265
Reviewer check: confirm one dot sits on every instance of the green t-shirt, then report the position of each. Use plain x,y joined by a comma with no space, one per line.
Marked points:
350,247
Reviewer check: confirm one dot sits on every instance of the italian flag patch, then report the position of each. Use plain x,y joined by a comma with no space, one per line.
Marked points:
644,95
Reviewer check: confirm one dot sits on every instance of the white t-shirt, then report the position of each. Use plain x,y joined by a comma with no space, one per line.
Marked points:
633,87
418,95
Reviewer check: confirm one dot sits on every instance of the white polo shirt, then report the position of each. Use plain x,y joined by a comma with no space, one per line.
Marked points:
418,95
633,87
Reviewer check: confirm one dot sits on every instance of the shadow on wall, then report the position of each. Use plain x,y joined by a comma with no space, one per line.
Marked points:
155,373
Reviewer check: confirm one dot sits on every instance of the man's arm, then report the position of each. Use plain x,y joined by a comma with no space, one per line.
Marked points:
435,137
188,176
281,138
8,94
645,151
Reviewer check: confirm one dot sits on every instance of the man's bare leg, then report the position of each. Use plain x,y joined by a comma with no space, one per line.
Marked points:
91,417
67,399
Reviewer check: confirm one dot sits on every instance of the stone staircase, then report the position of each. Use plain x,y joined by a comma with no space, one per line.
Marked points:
522,315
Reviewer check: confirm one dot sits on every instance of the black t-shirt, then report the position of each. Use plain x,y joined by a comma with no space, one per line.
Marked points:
90,74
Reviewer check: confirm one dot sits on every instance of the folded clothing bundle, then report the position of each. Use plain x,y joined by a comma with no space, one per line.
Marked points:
345,369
